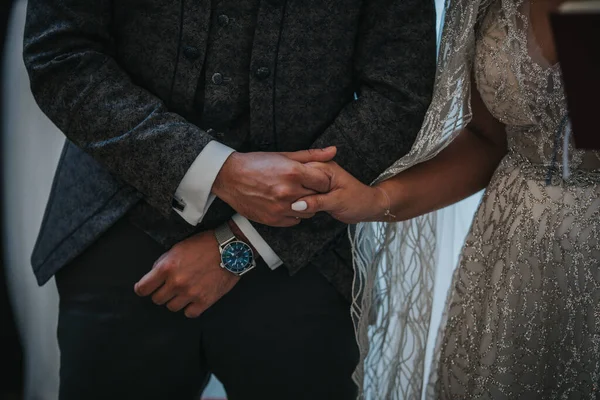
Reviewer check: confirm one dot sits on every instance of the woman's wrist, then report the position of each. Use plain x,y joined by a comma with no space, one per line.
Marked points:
388,202
383,205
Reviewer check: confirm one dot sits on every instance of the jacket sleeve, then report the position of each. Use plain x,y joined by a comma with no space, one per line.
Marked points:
69,55
395,65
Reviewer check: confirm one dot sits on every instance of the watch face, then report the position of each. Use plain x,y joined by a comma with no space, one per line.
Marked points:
237,257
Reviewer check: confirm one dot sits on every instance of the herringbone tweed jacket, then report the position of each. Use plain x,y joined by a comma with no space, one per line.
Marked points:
121,80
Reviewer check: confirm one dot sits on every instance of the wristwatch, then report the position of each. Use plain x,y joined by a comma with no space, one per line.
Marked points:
237,257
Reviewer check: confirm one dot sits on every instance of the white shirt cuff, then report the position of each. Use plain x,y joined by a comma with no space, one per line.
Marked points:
193,196
265,251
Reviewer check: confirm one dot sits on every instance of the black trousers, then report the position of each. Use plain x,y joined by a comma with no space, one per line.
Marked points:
272,337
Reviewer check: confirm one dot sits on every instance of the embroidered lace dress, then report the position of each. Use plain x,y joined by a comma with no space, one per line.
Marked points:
523,311
523,316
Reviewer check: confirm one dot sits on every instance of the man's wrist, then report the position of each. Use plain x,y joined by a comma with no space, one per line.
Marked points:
220,183
240,235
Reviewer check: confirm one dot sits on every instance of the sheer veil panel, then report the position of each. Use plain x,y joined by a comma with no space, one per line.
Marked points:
396,265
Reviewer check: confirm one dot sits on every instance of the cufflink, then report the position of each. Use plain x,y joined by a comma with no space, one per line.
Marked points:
178,204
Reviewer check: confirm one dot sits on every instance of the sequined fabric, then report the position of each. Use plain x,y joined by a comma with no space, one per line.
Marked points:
523,317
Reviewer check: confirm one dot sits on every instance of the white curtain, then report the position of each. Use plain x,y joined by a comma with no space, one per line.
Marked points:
31,146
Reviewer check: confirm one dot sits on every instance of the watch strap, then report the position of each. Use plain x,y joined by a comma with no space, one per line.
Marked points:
224,234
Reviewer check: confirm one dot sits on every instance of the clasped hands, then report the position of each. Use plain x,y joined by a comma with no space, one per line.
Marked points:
281,189
262,187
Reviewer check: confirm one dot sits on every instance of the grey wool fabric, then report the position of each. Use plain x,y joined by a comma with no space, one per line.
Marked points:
140,88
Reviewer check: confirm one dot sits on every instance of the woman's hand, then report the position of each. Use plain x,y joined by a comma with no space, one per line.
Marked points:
348,200
262,186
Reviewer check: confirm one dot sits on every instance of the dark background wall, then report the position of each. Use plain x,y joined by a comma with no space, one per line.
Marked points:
11,380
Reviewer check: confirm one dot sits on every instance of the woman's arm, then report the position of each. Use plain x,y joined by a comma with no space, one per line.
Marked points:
463,168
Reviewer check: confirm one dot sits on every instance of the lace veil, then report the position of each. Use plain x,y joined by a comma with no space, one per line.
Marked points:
395,263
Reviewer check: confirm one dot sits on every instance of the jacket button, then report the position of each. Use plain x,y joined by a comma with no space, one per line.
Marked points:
217,79
223,20
262,73
191,52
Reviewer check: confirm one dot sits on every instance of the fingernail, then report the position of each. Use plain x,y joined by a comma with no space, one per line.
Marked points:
300,206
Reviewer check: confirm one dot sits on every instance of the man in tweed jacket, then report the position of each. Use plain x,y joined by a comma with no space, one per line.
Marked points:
176,114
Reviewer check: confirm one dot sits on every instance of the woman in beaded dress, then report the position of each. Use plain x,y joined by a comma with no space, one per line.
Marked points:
523,314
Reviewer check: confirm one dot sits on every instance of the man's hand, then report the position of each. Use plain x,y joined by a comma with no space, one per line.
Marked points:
188,276
262,186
